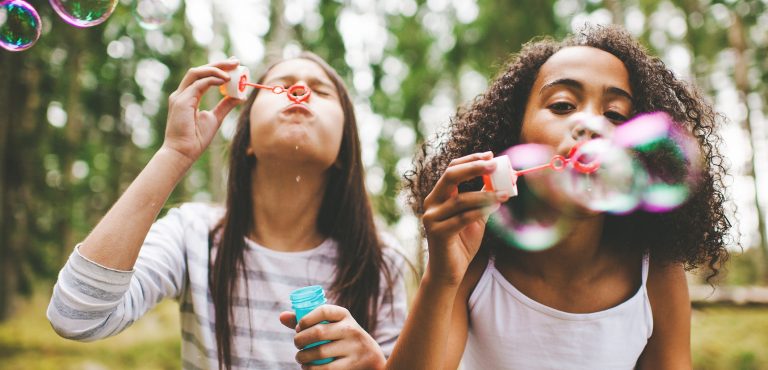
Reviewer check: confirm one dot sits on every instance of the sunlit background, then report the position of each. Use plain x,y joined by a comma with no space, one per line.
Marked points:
83,109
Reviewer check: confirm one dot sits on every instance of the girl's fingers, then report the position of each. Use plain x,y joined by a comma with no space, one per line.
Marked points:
461,203
326,312
459,222
471,157
331,349
217,69
288,319
191,95
224,107
456,174
337,364
330,331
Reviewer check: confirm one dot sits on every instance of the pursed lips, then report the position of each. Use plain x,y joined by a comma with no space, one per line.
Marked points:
298,108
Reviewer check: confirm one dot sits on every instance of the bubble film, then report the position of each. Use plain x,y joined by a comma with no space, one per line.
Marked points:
84,13
616,185
19,25
153,14
518,226
530,157
670,156
649,163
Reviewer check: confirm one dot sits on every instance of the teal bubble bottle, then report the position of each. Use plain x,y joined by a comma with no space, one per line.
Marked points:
303,301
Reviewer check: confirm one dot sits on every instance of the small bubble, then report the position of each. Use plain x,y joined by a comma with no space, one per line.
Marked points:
19,25
153,14
84,13
298,178
297,148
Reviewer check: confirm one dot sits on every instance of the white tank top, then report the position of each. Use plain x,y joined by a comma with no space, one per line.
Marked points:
508,330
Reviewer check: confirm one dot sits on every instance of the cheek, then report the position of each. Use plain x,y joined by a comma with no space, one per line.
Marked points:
334,121
540,128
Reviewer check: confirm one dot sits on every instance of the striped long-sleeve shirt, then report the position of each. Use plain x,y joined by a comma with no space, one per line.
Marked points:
90,301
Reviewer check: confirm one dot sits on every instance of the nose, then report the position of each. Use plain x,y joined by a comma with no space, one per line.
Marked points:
581,133
588,127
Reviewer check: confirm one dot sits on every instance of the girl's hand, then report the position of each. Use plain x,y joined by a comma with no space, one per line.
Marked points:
188,130
351,346
455,222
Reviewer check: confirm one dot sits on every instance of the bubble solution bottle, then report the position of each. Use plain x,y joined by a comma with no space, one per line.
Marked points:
303,301
504,177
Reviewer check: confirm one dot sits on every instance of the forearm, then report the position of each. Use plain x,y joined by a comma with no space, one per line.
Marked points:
424,339
117,238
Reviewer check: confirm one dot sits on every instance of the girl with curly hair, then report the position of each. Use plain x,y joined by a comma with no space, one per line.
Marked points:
612,292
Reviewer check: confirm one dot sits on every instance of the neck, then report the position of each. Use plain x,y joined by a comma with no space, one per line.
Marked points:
573,257
287,200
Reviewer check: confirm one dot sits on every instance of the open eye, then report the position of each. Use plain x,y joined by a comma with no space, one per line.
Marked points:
615,116
561,107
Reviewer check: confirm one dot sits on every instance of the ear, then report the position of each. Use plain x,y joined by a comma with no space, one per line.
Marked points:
249,151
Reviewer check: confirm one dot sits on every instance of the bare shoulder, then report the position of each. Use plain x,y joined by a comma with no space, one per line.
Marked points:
669,346
667,287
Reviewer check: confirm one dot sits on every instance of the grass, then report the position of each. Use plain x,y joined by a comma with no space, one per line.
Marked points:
27,341
733,338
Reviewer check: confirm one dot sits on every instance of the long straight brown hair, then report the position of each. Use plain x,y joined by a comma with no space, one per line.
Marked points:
345,215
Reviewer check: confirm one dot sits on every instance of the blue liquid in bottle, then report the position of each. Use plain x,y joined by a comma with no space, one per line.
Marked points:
303,301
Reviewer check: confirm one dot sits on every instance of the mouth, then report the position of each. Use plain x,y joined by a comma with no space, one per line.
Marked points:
297,108
585,162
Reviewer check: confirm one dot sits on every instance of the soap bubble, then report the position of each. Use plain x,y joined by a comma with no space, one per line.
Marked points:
615,184
523,223
19,25
84,13
649,163
153,14
670,155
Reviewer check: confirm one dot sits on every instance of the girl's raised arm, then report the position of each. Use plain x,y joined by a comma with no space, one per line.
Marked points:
117,238
454,223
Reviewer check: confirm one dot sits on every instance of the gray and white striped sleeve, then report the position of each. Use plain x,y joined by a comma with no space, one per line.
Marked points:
91,301
392,309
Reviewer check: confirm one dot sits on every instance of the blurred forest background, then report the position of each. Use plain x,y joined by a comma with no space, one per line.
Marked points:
83,110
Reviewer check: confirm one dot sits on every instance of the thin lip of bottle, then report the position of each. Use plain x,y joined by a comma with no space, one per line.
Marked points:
307,294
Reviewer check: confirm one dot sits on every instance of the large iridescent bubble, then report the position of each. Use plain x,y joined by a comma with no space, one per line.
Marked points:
670,155
649,163
616,184
19,25
84,13
153,14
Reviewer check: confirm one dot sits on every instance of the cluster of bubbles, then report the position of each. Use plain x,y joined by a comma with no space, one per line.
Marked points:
648,164
20,23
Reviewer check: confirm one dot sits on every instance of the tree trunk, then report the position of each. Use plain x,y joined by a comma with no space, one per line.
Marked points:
737,39
7,272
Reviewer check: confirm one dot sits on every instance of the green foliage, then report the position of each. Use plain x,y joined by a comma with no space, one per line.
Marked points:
48,201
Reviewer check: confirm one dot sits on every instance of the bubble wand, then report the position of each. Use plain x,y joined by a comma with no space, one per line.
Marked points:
505,177
238,82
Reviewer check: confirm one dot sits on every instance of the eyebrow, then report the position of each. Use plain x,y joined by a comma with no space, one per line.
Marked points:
579,86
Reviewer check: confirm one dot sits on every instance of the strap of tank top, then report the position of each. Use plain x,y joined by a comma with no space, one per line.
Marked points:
646,262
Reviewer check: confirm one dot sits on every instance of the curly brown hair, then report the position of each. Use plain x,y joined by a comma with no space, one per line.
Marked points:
694,234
